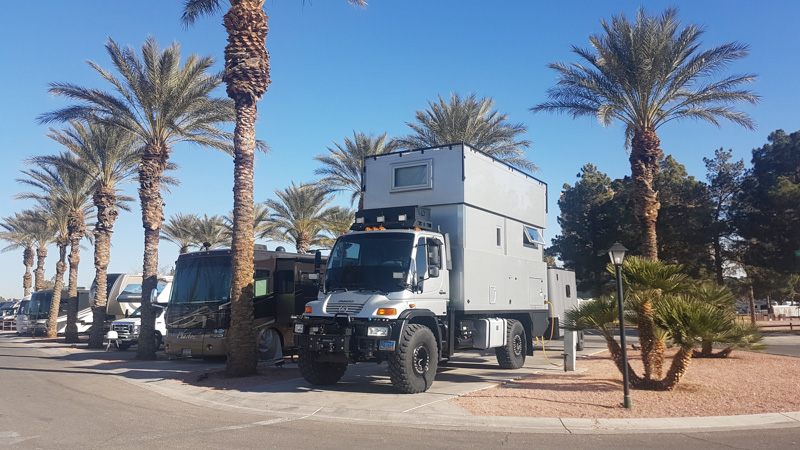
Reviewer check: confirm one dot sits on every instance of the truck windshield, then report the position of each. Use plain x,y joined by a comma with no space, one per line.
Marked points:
204,279
375,261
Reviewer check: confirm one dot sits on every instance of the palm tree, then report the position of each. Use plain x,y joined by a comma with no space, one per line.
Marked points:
108,156
179,229
38,223
64,189
261,225
644,75
210,232
247,77
161,103
342,170
740,335
647,281
472,122
300,215
600,314
338,222
18,236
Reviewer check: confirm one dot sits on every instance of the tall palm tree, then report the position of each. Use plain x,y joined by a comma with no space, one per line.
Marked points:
161,103
108,155
179,229
210,232
300,215
342,170
68,190
247,77
38,223
646,74
471,121
18,236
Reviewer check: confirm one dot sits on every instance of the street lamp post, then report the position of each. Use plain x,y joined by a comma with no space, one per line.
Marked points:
617,254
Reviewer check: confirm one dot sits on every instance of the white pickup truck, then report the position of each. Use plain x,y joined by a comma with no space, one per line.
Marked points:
128,328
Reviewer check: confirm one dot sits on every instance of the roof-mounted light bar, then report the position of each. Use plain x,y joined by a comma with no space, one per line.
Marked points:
400,217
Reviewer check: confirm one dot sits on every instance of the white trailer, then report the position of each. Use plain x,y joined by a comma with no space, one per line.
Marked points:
446,256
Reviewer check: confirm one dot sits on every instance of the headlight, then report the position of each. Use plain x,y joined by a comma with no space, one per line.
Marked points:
378,331
136,329
299,328
218,333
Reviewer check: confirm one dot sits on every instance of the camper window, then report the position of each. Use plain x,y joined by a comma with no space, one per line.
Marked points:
532,237
415,175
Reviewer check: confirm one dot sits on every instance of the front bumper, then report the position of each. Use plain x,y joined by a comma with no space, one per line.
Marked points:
341,338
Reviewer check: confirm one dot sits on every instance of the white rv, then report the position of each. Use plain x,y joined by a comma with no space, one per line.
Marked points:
446,256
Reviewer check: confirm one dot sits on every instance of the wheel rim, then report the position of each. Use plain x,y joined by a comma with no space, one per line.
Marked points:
421,360
517,345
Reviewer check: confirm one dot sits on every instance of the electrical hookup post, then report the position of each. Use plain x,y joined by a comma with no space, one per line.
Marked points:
570,340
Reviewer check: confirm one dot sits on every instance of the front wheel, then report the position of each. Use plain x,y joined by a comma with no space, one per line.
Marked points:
579,342
512,355
412,367
123,345
316,372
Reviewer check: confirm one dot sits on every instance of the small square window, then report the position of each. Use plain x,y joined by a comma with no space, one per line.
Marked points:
414,175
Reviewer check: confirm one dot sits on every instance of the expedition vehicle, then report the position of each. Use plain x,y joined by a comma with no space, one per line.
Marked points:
446,256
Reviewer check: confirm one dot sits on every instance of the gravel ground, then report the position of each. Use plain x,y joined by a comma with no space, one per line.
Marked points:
744,383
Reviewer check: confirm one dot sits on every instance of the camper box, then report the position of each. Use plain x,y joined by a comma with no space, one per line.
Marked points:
494,215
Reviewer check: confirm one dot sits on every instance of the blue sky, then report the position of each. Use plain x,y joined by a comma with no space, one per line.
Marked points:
338,69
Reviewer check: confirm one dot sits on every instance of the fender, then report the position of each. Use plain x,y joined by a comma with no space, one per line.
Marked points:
422,316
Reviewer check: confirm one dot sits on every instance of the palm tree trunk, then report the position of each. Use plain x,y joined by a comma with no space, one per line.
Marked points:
680,364
76,226
41,255
302,243
242,358
647,341
247,79
105,200
27,260
645,154
58,286
154,162
616,354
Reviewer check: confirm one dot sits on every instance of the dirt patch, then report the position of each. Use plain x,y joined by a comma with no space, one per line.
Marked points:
744,383
216,379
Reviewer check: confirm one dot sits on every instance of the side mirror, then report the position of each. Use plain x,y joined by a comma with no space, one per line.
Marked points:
433,271
154,296
317,260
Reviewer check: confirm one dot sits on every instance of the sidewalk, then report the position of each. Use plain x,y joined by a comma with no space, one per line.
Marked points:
365,395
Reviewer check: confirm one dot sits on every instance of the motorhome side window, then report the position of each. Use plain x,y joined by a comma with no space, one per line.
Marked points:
415,175
569,293
532,237
261,282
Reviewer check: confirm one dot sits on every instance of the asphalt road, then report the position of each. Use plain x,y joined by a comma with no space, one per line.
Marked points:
51,402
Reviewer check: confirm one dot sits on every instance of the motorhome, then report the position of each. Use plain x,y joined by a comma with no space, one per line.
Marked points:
124,294
446,256
128,328
198,312
39,312
21,319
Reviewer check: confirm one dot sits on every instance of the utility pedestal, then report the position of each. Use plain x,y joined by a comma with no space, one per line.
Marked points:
570,339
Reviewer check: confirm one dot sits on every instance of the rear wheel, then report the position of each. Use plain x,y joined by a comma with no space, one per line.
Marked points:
124,345
412,367
158,340
512,355
319,373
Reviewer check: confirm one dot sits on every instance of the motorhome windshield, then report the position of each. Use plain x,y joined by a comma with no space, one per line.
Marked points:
375,261
204,279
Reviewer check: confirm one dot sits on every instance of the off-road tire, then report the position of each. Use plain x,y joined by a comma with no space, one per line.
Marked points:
319,373
512,355
412,367
158,340
579,342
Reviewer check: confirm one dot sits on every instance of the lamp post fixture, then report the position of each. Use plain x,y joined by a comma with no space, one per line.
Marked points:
617,254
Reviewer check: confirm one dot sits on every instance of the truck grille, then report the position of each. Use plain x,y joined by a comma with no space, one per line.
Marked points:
127,329
342,308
